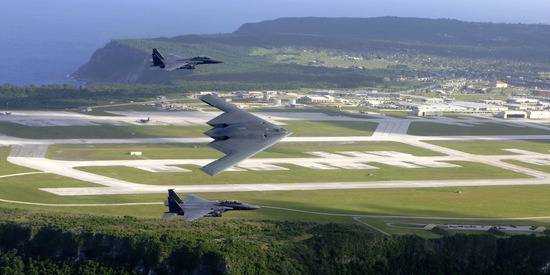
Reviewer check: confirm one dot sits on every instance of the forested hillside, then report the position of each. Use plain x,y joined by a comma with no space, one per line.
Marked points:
428,31
127,61
36,243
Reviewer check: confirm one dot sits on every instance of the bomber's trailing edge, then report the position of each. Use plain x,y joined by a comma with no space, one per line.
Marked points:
175,62
238,134
195,207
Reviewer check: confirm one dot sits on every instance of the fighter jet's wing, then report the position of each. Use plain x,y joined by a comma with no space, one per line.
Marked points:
172,56
174,66
192,214
191,199
195,207
237,150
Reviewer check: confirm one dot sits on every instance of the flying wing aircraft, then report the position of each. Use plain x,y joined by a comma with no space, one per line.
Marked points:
178,63
195,207
238,134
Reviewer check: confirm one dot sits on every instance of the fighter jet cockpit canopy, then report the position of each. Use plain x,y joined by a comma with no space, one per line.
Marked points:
231,202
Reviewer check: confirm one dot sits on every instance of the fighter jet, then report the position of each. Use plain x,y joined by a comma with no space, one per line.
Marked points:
144,120
238,134
195,207
178,63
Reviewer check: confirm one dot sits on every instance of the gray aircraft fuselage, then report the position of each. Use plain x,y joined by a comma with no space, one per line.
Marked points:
202,60
195,207
219,207
171,64
246,131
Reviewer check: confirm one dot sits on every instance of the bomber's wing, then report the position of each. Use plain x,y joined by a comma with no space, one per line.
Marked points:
232,114
237,150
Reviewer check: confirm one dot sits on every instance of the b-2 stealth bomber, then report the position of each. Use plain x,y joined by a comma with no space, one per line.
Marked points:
178,63
238,134
195,207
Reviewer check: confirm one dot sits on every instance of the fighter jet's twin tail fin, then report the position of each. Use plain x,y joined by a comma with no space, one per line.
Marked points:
158,59
174,203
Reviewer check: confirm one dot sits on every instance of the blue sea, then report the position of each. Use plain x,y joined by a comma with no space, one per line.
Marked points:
43,42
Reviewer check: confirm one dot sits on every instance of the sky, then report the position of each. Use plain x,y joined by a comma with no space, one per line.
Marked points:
130,18
48,39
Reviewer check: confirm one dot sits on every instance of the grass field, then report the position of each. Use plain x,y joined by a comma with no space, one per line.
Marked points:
392,113
303,128
439,129
298,127
7,168
198,151
102,131
319,58
106,110
296,174
542,168
446,202
482,147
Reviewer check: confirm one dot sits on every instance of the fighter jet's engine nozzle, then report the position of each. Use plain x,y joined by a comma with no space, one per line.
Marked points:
216,213
188,67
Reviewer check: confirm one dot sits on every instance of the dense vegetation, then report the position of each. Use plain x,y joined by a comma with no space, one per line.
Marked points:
68,96
400,50
126,61
35,243
394,54
430,31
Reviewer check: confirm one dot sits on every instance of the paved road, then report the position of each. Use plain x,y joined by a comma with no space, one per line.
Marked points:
133,188
30,153
116,186
21,174
61,118
391,127
6,141
29,150
79,204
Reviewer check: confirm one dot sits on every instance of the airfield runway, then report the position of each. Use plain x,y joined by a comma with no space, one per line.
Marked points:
30,153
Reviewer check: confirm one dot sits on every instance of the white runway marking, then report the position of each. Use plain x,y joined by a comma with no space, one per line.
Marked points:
21,174
31,154
80,204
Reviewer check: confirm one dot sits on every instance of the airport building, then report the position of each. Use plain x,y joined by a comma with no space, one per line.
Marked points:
315,99
512,114
501,84
539,114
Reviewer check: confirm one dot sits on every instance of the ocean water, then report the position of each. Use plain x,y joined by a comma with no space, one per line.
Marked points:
42,41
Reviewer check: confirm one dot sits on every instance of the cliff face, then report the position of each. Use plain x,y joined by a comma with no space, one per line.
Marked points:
120,63
128,61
